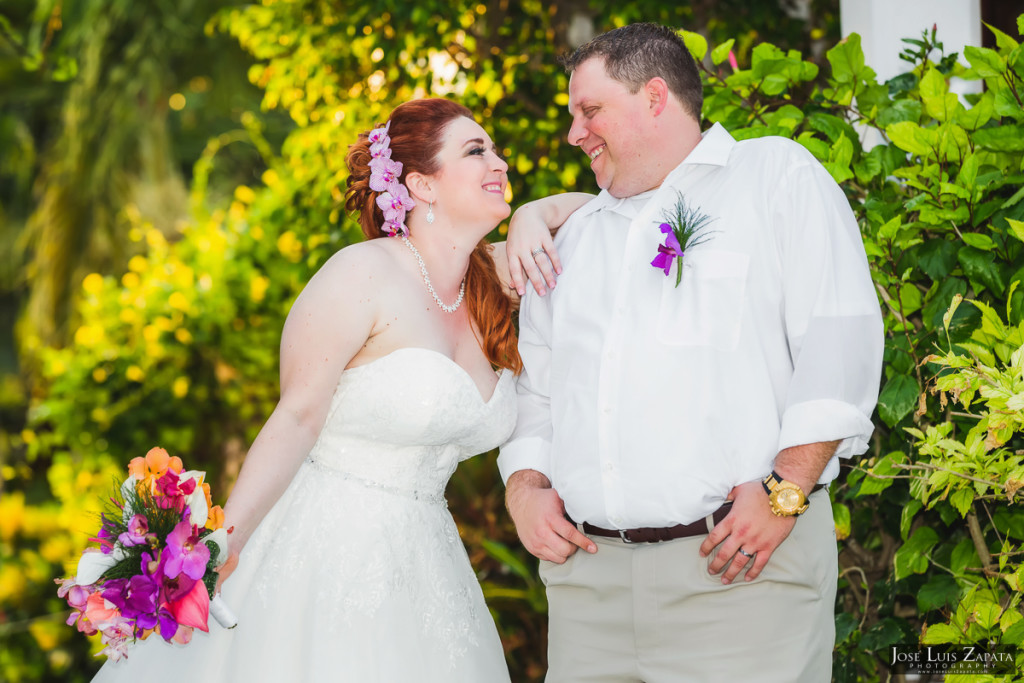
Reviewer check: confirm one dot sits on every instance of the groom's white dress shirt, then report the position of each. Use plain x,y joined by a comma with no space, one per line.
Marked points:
645,403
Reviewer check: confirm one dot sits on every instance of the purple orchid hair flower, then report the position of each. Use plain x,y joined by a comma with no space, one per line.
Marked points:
384,173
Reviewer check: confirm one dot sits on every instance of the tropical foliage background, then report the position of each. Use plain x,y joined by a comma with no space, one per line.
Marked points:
171,174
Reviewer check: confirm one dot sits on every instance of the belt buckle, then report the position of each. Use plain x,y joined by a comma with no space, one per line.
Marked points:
624,537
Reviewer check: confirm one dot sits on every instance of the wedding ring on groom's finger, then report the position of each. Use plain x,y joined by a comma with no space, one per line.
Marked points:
744,553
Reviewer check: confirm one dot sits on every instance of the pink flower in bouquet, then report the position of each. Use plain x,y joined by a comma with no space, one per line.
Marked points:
185,552
116,637
193,609
171,490
100,612
138,530
78,598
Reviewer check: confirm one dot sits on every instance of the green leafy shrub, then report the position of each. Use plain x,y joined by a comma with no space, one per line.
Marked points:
930,527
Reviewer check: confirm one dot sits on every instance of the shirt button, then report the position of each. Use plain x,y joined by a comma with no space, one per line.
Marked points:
608,467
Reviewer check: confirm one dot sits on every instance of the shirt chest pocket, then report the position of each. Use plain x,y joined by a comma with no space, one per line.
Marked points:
706,309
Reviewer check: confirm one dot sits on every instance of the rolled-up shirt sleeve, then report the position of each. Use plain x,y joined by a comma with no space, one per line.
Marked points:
832,317
529,447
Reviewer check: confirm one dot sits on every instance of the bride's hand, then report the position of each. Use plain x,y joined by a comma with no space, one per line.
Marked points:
531,250
225,570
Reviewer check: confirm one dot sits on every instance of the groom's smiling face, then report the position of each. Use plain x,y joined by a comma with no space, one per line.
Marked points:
608,124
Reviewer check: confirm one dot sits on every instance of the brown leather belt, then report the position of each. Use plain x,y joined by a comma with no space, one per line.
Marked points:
657,535
669,533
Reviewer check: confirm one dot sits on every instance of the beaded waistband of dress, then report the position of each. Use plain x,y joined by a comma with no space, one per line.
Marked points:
420,496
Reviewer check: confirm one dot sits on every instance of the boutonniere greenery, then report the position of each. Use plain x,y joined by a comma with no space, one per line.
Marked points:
684,227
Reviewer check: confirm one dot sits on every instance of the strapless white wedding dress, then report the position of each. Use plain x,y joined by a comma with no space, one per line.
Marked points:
358,572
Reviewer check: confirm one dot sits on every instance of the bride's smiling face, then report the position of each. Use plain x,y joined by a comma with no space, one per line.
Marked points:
470,184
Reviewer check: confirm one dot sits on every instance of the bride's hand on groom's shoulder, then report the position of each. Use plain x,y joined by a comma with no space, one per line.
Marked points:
539,516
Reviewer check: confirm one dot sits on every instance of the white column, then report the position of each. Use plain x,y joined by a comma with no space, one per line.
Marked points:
882,24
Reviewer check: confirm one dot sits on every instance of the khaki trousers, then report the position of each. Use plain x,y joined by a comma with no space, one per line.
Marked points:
652,613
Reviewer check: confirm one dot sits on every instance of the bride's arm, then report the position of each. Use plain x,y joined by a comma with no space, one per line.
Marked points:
531,228
327,325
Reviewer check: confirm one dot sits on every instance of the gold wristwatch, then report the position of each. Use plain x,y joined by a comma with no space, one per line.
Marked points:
785,498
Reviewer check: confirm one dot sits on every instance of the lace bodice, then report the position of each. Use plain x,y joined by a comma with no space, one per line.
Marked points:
404,421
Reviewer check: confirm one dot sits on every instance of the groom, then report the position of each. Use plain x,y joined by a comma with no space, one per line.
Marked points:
679,425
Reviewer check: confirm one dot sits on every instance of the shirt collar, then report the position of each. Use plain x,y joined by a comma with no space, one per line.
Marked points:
713,149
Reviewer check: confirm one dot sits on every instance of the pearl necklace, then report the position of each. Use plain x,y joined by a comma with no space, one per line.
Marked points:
430,287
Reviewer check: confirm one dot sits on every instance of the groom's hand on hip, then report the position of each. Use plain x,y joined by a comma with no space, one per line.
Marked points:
751,527
539,516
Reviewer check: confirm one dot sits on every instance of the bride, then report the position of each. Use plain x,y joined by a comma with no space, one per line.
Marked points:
345,564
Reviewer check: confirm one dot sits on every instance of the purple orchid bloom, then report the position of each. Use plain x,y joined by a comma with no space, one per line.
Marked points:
185,553
395,202
104,537
384,174
379,135
138,527
668,252
168,625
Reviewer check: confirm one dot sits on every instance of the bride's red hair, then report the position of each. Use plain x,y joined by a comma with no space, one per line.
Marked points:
416,133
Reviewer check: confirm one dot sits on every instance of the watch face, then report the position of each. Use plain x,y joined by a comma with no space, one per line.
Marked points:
788,499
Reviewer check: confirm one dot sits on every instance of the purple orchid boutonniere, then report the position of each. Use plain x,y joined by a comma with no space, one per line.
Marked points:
683,227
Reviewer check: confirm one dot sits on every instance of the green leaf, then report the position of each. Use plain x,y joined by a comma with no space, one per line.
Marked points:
847,59
882,635
911,558
938,592
501,553
1003,41
1017,196
985,62
888,231
964,555
1001,139
979,241
907,517
978,115
1017,226
961,499
846,625
910,137
1015,634
841,519
721,53
909,299
1010,523
941,633
980,270
938,101
879,477
937,258
898,399
900,110
696,44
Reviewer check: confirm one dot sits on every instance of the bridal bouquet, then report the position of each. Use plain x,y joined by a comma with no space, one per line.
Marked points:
159,542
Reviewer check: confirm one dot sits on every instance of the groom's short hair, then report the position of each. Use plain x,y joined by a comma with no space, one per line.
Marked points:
636,53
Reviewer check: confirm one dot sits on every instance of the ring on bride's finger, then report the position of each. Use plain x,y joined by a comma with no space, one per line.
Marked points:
744,553
539,250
